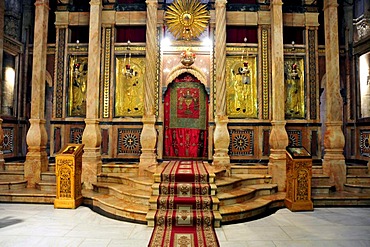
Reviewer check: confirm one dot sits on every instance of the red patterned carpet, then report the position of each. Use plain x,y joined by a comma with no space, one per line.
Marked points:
184,215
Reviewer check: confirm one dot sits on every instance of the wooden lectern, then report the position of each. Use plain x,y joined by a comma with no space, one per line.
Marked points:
298,179
68,168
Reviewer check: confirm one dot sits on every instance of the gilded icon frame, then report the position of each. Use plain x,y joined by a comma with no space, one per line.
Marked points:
129,90
242,88
77,86
294,84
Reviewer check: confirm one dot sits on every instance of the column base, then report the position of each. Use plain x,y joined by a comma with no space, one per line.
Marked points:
221,160
148,140
91,167
336,169
147,159
36,162
277,169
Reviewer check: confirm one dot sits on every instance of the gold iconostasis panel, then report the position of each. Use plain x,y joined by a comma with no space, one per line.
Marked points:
241,87
129,92
294,88
77,86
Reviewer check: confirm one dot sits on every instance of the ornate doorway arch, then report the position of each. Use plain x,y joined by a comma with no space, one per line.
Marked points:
185,118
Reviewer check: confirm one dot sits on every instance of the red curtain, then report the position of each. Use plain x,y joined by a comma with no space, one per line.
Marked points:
185,119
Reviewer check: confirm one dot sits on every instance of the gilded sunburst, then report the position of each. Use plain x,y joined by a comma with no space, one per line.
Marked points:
187,19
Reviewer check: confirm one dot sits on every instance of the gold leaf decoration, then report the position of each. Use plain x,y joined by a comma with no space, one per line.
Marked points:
187,19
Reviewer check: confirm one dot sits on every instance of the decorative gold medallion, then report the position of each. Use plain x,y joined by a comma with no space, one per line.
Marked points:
187,19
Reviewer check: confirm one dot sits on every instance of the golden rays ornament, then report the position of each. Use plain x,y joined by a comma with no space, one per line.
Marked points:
187,19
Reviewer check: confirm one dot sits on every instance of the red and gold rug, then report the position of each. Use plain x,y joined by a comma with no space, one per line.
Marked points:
184,215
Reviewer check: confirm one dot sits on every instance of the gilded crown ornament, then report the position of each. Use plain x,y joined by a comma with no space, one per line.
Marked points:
187,57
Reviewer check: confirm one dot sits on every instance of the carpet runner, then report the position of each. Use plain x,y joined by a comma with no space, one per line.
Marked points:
184,216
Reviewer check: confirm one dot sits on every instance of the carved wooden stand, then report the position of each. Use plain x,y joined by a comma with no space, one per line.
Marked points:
299,174
68,174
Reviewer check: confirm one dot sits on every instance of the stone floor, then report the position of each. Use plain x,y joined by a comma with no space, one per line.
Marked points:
42,225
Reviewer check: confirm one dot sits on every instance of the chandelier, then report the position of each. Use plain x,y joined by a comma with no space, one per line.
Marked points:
245,70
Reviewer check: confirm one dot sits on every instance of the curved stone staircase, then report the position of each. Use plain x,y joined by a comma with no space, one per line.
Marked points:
246,193
356,189
358,179
121,194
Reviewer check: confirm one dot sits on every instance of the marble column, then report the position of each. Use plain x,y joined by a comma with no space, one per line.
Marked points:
2,12
278,136
36,158
221,133
91,138
148,137
334,162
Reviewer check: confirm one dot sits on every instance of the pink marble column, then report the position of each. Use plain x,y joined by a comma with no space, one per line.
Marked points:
334,162
221,133
91,138
278,137
36,159
2,11
148,137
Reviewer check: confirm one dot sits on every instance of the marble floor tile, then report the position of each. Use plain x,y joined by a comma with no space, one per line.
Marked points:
35,225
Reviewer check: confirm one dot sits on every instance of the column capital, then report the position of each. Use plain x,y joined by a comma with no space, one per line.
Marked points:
42,2
330,4
61,26
220,3
276,2
95,2
152,2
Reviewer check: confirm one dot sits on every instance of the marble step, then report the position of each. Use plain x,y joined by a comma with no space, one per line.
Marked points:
123,192
341,198
156,188
239,195
319,180
225,184
322,189
128,168
134,181
48,177
317,170
357,170
158,170
115,208
13,166
358,179
12,184
153,203
150,217
27,195
257,206
357,188
46,186
249,169
11,175
51,167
